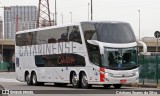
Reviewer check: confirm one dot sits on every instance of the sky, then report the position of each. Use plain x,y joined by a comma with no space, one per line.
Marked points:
108,10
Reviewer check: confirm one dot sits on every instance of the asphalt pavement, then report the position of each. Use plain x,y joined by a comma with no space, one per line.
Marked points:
9,83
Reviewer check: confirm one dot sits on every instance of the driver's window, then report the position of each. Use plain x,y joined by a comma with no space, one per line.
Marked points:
94,54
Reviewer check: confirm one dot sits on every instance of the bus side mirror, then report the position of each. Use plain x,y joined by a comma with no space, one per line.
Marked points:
144,47
95,42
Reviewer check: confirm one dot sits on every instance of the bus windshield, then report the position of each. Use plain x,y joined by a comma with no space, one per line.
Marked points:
109,32
120,59
115,32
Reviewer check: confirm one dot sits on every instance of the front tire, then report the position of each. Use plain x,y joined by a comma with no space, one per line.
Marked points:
84,81
117,86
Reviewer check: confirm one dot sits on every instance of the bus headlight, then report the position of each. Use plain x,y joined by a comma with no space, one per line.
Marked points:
109,74
136,72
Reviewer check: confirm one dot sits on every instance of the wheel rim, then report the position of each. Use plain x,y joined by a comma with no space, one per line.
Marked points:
74,80
84,80
27,78
34,79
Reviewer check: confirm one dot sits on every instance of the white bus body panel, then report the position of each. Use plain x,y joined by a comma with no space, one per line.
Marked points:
115,77
62,74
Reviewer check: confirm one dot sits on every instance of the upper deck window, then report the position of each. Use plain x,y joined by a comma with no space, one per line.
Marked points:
56,35
112,32
89,31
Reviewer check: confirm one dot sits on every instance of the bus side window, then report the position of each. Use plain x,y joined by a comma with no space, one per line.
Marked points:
94,54
75,34
39,61
90,35
89,32
18,40
28,38
24,39
63,38
52,40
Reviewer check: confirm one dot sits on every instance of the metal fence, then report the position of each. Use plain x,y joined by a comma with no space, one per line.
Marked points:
7,66
149,69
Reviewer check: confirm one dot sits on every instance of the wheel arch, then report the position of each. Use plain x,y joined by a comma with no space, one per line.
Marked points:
25,74
33,72
70,78
81,72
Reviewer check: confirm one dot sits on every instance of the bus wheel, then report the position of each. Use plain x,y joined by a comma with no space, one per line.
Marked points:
84,81
107,85
35,82
28,79
75,81
34,79
117,86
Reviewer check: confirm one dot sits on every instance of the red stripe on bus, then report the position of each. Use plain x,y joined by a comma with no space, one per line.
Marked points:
102,76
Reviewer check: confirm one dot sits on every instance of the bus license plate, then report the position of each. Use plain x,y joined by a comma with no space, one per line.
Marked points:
123,81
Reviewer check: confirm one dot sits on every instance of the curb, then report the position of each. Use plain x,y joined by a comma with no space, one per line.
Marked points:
142,85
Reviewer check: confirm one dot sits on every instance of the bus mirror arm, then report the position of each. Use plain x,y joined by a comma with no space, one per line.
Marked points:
95,42
144,47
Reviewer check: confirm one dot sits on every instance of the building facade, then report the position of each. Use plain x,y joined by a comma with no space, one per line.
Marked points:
18,18
151,43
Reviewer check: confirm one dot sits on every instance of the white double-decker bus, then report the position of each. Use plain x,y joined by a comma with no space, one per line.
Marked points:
82,54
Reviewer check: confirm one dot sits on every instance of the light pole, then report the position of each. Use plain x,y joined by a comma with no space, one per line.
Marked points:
91,10
55,13
62,17
157,35
71,16
2,38
88,10
53,19
139,24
